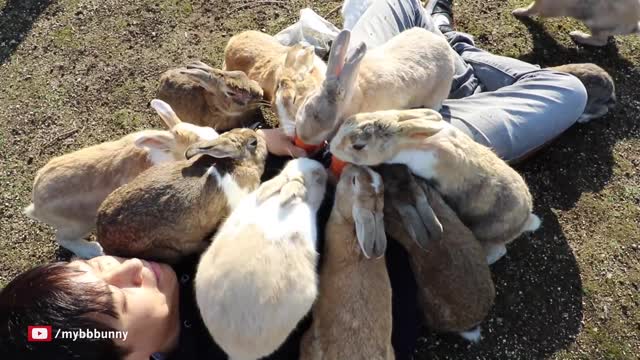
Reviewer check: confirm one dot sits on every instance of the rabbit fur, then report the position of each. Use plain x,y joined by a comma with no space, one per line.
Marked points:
455,289
169,211
601,89
286,74
396,75
211,97
490,197
604,18
69,189
352,316
258,278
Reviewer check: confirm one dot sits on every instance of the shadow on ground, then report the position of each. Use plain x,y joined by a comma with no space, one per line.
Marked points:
16,20
538,309
582,158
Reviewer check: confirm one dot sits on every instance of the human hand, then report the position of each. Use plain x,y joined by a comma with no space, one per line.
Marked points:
278,143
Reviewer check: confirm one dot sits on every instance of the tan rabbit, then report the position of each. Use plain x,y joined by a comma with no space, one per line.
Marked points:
68,190
352,316
604,18
490,197
286,74
601,89
211,97
413,69
258,278
455,289
171,209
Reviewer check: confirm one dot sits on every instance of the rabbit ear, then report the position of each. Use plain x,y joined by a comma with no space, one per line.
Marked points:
338,53
429,219
199,65
166,113
300,58
215,148
411,114
349,73
206,79
292,54
370,232
160,140
291,191
269,188
420,127
413,225
353,61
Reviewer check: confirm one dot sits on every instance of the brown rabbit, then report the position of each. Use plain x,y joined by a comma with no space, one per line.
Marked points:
601,89
604,18
352,316
211,97
455,289
170,210
69,189
286,74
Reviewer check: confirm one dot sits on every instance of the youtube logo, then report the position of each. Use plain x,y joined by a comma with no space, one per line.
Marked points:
39,333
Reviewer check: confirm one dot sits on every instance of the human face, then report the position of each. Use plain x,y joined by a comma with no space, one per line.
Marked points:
146,299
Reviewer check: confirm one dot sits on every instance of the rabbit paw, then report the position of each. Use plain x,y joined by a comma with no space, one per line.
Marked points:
88,250
474,335
585,39
495,252
521,12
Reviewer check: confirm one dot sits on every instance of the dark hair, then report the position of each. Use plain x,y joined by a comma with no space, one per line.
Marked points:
47,295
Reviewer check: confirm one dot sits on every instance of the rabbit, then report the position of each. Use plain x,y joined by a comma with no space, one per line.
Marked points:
396,75
286,74
455,289
169,211
211,97
69,189
352,316
604,18
490,197
601,90
258,278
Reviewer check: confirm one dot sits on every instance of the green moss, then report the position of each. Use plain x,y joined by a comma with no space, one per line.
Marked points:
128,120
177,7
65,37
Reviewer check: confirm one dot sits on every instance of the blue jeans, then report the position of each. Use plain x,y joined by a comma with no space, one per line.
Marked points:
508,105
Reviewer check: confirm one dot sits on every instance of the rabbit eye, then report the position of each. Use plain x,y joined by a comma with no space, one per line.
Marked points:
358,147
230,93
252,143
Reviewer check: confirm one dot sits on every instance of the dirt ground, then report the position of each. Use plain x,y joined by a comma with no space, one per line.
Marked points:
77,72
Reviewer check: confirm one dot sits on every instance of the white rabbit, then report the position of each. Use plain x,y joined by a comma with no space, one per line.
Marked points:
490,197
604,18
414,69
258,278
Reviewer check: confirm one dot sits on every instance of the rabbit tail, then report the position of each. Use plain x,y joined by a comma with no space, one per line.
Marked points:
533,223
474,335
30,211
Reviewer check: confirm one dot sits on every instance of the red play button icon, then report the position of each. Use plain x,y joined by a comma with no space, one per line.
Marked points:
39,333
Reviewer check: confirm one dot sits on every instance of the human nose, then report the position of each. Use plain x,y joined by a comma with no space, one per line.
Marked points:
126,274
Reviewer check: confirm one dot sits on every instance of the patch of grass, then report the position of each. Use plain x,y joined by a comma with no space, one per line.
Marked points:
177,7
64,37
610,348
128,120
